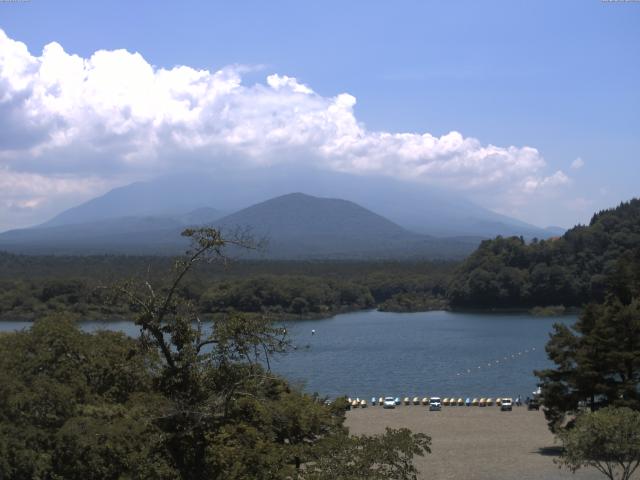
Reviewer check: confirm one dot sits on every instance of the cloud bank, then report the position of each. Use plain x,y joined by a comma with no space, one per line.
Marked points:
71,126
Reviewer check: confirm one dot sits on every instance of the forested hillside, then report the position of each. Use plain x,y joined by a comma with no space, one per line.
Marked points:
31,286
570,270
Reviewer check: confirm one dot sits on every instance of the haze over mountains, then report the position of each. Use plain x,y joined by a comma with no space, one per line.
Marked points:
364,217
417,207
296,226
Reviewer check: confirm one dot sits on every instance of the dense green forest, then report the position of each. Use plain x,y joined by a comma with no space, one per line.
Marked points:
597,360
570,270
31,286
175,403
502,273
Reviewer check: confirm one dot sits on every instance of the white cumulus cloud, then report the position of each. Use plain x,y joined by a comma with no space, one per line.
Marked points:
113,115
577,164
552,181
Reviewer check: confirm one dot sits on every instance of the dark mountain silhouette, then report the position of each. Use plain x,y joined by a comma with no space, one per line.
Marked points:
302,226
296,226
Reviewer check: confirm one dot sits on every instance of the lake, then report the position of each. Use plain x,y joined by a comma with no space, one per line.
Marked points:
371,353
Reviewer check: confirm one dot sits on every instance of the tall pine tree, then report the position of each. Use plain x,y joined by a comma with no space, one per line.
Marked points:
598,359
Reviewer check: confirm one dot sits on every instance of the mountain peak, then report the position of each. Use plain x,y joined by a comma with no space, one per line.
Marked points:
296,226
414,206
301,214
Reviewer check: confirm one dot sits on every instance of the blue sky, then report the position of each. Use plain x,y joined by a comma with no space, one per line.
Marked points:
560,77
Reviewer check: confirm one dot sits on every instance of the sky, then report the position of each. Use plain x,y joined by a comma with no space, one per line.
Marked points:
531,109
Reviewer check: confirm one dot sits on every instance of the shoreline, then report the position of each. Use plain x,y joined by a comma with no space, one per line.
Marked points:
289,317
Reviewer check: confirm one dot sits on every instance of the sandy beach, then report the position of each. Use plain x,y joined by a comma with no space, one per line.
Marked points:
473,442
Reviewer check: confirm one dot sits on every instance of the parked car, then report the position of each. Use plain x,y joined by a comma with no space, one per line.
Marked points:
389,402
506,404
534,404
435,404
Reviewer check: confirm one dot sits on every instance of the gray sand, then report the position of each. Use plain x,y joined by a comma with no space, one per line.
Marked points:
475,442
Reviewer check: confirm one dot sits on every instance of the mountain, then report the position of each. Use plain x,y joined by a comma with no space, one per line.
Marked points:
414,206
130,235
556,231
164,197
302,226
296,226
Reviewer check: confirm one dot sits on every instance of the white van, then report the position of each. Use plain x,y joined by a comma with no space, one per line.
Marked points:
435,404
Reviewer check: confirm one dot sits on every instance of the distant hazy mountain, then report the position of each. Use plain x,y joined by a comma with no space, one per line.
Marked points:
165,197
131,235
296,226
555,231
414,206
301,226
199,216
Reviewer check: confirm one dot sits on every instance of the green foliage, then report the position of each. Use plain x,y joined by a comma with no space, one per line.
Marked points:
608,440
58,387
286,294
384,457
34,286
570,270
184,400
407,302
598,359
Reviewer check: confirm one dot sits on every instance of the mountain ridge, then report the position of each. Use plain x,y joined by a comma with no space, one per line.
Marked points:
415,207
298,226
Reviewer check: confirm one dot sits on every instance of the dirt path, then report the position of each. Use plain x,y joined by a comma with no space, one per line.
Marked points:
475,443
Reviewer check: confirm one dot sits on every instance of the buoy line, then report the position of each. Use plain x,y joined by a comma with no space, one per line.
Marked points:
497,362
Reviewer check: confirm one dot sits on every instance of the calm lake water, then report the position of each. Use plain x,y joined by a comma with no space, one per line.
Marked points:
374,353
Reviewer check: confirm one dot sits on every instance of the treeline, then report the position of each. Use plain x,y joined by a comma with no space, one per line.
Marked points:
30,299
503,273
33,286
298,295
570,270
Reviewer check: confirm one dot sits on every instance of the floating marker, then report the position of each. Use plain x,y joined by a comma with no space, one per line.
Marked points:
496,362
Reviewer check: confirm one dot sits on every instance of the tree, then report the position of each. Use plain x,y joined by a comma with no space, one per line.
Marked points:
186,400
598,359
608,440
381,457
214,379
568,270
228,417
77,406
